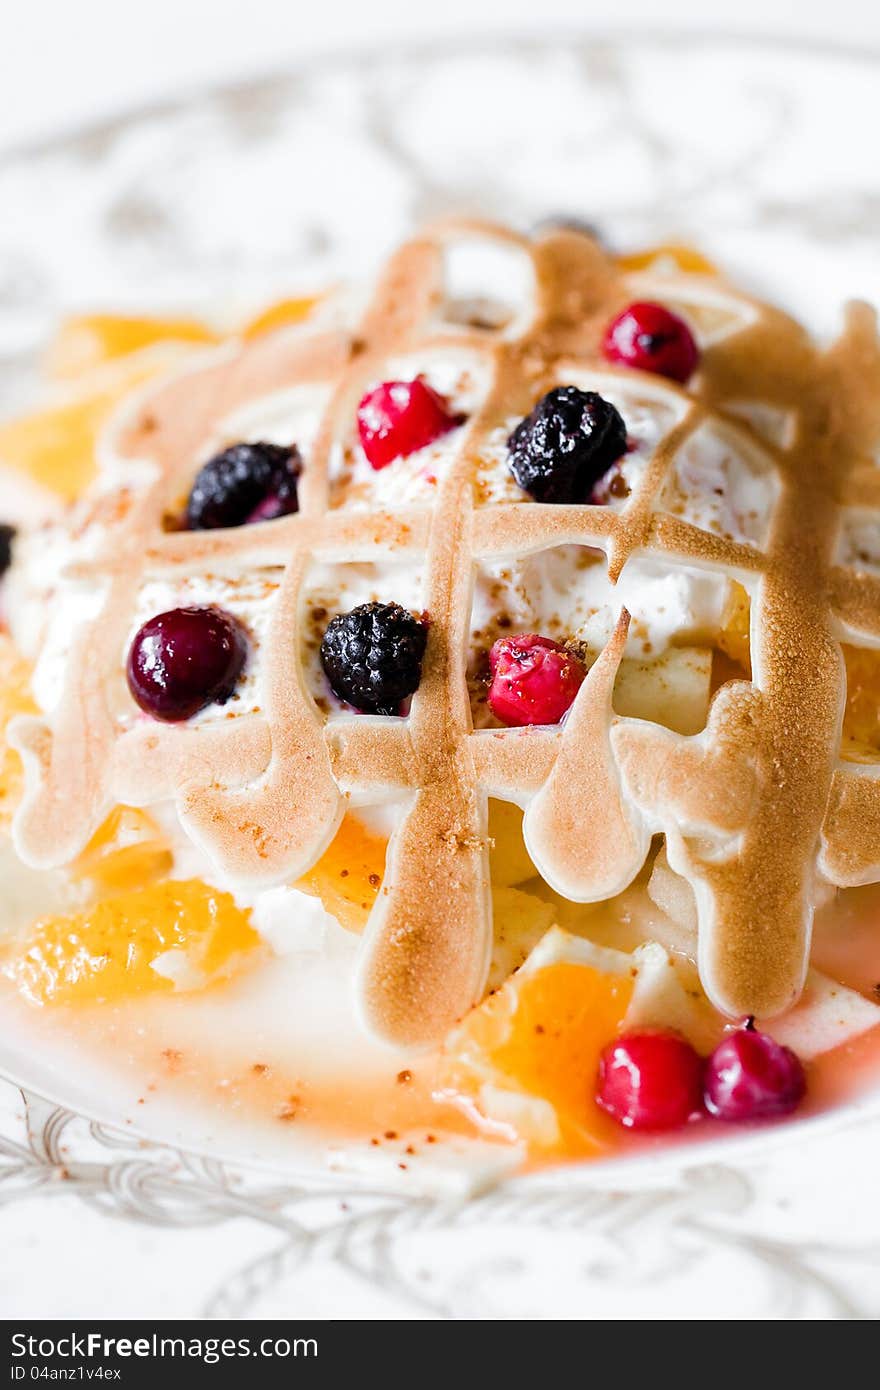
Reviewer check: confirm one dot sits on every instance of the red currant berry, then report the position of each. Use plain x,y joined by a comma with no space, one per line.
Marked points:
650,1080
534,679
401,417
652,339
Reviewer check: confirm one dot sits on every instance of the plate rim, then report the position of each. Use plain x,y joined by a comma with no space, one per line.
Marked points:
444,46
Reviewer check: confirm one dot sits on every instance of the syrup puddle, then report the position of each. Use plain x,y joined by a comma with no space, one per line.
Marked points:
273,1068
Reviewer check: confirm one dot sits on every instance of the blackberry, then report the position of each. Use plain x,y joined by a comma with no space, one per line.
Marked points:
372,656
7,536
570,440
246,482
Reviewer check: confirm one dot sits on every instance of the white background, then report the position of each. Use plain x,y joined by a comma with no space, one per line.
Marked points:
65,62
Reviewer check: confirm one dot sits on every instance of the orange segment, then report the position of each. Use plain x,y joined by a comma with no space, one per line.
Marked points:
280,315
678,254
110,356
541,1035
56,447
127,851
90,340
861,716
15,698
348,875
109,951
86,341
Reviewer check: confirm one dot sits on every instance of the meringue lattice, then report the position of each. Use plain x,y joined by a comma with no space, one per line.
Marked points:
755,809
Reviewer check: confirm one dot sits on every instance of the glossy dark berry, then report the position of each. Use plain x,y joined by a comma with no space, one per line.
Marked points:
651,338
400,417
185,659
372,656
570,440
566,222
7,536
651,1079
246,483
749,1076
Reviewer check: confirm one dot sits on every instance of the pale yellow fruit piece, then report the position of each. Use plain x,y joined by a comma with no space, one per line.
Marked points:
672,690
733,640
520,920
509,861
675,897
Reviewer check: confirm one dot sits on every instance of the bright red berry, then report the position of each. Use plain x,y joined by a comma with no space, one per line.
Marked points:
650,1080
400,417
534,679
749,1076
652,339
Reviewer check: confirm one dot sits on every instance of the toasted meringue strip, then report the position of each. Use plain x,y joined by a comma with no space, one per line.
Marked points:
587,841
153,761
368,756
743,805
855,599
513,764
862,487
634,523
518,529
850,851
347,536
682,541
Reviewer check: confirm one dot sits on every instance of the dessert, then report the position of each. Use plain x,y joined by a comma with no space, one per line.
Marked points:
501,658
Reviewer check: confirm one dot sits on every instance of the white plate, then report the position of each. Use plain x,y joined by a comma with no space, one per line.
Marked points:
756,153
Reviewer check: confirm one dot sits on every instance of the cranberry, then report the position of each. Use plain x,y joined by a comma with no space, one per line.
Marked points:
534,679
749,1076
400,417
650,1080
185,659
652,339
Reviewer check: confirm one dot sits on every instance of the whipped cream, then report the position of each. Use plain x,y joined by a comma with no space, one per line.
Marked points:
565,592
285,417
46,606
720,486
463,379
